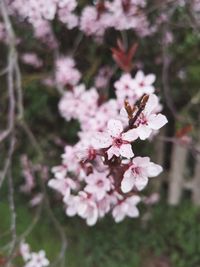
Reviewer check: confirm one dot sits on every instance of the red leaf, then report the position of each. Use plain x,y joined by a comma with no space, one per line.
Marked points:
122,57
184,131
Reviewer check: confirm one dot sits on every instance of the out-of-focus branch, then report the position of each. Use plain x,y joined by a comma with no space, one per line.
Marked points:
194,21
10,84
13,218
3,71
191,146
10,132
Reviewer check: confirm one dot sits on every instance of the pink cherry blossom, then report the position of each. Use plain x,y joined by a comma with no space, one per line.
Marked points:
36,200
66,73
87,208
91,23
137,174
38,11
126,89
126,207
98,121
118,142
43,31
25,251
149,120
79,104
64,186
38,260
32,59
143,84
128,15
28,174
104,205
152,199
33,259
61,182
65,15
98,184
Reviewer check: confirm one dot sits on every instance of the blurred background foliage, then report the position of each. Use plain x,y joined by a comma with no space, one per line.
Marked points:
164,236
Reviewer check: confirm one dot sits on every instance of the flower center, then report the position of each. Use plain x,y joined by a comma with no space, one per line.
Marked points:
142,84
117,142
100,183
135,170
141,120
127,87
91,154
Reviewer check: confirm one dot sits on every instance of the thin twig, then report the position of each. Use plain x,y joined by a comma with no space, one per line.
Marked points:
13,218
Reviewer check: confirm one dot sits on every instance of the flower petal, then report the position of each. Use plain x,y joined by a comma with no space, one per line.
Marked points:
113,151
134,200
133,212
71,211
127,184
101,140
154,169
152,103
143,132
115,127
141,182
157,121
126,151
130,136
149,79
139,77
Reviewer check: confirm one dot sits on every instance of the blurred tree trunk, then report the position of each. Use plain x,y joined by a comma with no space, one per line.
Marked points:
176,174
196,179
158,158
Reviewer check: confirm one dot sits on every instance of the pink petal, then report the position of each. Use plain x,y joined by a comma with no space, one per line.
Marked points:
152,103
149,79
157,121
127,184
148,89
134,200
81,208
118,214
143,132
115,127
101,140
92,216
130,136
154,169
113,151
141,182
126,151
139,77
133,212
71,211
141,161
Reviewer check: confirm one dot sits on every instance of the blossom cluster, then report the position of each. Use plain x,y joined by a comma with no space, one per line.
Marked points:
94,20
118,14
100,173
65,72
32,59
30,173
33,259
40,14
38,11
